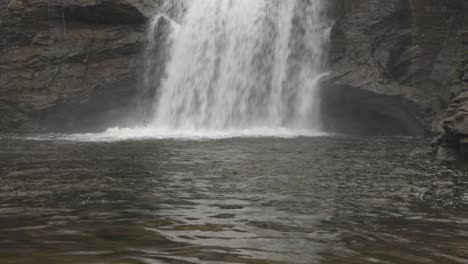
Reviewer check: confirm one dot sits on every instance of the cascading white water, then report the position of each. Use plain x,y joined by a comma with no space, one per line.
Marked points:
243,64
228,68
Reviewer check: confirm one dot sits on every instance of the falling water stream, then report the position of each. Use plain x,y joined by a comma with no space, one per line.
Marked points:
221,68
244,64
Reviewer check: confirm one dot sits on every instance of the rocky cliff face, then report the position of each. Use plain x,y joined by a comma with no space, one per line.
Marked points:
451,127
67,64
396,66
392,64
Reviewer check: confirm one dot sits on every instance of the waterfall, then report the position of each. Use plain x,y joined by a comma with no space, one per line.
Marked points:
228,68
237,65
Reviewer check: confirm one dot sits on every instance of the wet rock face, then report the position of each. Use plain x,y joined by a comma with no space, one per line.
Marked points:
451,126
355,111
399,53
451,141
123,11
69,65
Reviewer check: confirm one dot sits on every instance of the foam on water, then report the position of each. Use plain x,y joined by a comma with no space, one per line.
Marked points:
144,133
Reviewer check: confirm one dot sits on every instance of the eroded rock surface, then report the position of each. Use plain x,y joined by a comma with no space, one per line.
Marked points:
67,64
451,127
396,60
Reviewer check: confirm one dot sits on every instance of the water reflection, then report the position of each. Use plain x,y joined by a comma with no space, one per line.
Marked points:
305,200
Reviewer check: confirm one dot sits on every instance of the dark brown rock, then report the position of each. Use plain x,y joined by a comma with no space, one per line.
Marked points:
69,65
401,54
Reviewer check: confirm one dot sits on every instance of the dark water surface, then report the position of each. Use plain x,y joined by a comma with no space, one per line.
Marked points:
328,200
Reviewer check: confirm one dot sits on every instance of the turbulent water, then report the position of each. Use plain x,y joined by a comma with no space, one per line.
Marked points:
322,200
236,67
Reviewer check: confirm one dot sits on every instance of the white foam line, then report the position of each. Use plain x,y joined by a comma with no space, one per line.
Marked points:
145,133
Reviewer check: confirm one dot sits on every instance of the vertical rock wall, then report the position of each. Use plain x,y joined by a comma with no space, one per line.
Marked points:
399,62
451,126
69,65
